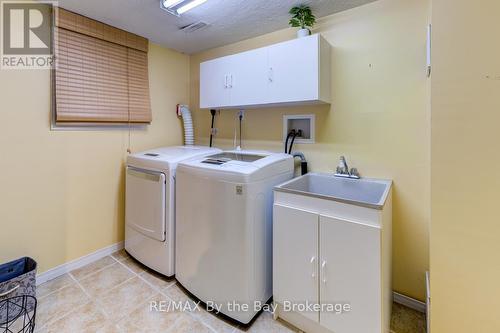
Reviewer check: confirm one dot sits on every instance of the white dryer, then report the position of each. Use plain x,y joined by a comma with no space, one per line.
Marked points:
224,227
150,204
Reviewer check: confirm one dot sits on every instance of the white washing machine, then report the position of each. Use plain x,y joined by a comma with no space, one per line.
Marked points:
150,204
224,227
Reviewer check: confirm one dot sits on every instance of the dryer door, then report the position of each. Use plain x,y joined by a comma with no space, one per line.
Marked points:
145,202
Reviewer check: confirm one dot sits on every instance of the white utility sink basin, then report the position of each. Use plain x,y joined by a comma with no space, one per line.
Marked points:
366,192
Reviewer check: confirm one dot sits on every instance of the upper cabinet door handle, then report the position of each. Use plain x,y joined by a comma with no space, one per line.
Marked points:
225,81
271,74
230,80
323,273
314,267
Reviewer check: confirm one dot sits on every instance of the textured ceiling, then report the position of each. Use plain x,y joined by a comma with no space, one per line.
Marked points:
229,20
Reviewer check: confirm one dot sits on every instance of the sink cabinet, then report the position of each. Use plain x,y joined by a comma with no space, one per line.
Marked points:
329,252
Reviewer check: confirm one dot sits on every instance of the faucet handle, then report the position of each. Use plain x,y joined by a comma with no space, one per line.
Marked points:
342,168
354,173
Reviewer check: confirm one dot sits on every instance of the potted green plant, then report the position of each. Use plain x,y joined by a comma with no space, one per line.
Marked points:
302,17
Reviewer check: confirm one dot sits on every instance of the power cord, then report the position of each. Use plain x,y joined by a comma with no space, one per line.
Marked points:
240,116
212,130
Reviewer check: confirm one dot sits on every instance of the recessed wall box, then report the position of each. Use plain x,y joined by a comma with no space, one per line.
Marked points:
305,123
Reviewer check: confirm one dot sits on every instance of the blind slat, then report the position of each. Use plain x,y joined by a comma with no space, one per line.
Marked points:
83,25
99,81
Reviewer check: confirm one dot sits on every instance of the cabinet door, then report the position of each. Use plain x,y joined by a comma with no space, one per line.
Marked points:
248,78
350,273
214,83
293,70
295,257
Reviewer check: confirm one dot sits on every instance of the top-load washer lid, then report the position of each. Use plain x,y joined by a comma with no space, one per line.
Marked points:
240,166
166,158
228,156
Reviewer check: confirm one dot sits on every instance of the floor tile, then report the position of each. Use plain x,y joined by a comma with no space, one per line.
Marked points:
125,298
39,329
87,318
134,265
157,280
216,322
59,304
188,324
109,327
121,255
265,323
53,285
152,315
406,320
84,271
177,293
102,281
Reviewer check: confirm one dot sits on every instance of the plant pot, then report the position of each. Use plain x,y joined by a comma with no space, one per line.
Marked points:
303,33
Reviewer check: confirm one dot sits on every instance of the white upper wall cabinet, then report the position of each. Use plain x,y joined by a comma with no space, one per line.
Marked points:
294,70
288,73
248,77
215,92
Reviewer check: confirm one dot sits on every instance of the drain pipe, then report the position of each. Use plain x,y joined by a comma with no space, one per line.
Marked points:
183,111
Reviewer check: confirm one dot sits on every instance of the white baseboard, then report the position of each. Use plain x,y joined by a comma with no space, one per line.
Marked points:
409,302
77,263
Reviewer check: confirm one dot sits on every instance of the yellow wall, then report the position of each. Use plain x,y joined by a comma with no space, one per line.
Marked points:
62,192
465,228
379,118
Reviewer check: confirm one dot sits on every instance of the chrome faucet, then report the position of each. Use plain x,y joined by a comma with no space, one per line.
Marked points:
344,171
343,168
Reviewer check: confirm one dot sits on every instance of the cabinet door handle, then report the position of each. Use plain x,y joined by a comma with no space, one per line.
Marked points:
225,81
323,274
230,80
314,267
271,74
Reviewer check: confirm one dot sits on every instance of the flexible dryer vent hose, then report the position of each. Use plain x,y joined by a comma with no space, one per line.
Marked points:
183,111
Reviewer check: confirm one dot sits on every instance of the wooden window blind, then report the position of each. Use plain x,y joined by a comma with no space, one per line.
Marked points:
101,73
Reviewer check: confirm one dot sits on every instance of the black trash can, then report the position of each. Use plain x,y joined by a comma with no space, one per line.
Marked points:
18,295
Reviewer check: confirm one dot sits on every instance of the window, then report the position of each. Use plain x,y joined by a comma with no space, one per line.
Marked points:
101,73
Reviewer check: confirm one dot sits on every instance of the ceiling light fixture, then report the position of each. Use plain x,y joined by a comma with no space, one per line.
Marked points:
178,7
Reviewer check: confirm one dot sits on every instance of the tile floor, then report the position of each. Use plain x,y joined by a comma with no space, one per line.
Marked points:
115,294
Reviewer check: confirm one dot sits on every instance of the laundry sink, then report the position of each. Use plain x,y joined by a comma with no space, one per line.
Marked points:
366,192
